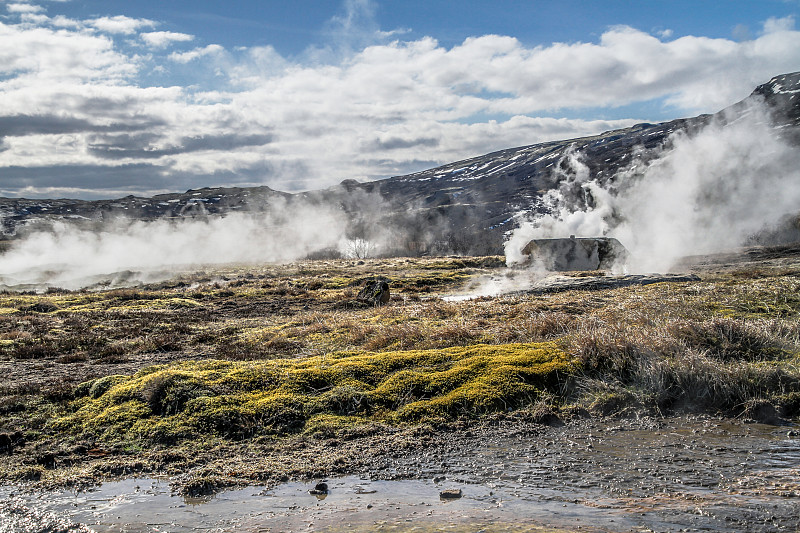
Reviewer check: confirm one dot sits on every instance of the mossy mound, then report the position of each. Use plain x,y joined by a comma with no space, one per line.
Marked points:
170,403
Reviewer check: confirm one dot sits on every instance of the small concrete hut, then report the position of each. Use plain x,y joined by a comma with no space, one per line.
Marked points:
562,255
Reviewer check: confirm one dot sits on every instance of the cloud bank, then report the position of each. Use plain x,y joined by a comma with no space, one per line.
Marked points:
116,104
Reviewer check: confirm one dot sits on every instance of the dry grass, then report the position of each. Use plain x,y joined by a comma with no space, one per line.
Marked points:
728,344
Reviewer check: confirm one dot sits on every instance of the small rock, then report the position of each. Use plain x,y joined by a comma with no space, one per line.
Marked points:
375,292
450,494
319,488
791,433
439,479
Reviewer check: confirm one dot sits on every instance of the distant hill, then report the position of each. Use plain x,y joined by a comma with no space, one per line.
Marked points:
462,207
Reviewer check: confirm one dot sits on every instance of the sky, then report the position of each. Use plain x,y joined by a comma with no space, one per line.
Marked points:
105,98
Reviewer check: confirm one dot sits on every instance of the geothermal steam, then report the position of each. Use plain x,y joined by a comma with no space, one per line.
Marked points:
704,193
71,258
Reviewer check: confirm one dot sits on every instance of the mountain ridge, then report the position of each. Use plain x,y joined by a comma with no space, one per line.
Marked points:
460,207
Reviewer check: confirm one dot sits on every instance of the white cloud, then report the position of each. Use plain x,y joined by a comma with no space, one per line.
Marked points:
24,8
120,24
61,21
37,57
373,110
356,25
197,53
162,39
773,24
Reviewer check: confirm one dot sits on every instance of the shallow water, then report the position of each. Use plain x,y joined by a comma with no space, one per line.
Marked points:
703,475
352,504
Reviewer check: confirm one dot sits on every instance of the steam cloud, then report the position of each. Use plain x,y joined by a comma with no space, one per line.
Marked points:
704,193
357,224
70,257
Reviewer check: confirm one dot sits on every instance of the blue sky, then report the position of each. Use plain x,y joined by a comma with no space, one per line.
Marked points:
292,26
107,98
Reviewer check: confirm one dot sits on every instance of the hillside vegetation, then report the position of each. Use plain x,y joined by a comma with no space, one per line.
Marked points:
222,367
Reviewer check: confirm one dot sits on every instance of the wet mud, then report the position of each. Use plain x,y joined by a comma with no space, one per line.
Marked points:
679,474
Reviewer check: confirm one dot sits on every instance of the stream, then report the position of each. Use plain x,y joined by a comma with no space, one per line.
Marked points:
702,474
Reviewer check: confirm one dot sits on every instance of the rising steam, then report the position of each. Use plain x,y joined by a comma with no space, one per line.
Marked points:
704,193
135,251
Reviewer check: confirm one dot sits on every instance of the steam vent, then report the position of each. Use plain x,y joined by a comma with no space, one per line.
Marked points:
561,255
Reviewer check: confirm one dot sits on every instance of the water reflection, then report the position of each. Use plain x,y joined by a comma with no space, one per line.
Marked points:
714,476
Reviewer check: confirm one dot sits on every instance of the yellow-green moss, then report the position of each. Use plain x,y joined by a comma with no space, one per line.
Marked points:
770,297
326,424
336,282
238,399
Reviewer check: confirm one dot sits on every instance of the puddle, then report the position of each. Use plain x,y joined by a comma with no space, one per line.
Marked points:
352,504
703,475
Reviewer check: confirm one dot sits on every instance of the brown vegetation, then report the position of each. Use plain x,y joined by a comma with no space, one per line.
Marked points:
79,375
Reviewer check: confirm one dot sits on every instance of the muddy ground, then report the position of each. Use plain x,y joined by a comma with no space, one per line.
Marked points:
696,473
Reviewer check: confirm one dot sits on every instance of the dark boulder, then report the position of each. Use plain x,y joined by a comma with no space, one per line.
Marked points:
375,292
319,489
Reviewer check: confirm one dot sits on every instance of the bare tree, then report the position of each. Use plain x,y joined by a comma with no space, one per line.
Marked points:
358,248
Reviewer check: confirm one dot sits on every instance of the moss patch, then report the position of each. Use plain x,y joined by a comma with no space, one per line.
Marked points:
241,399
